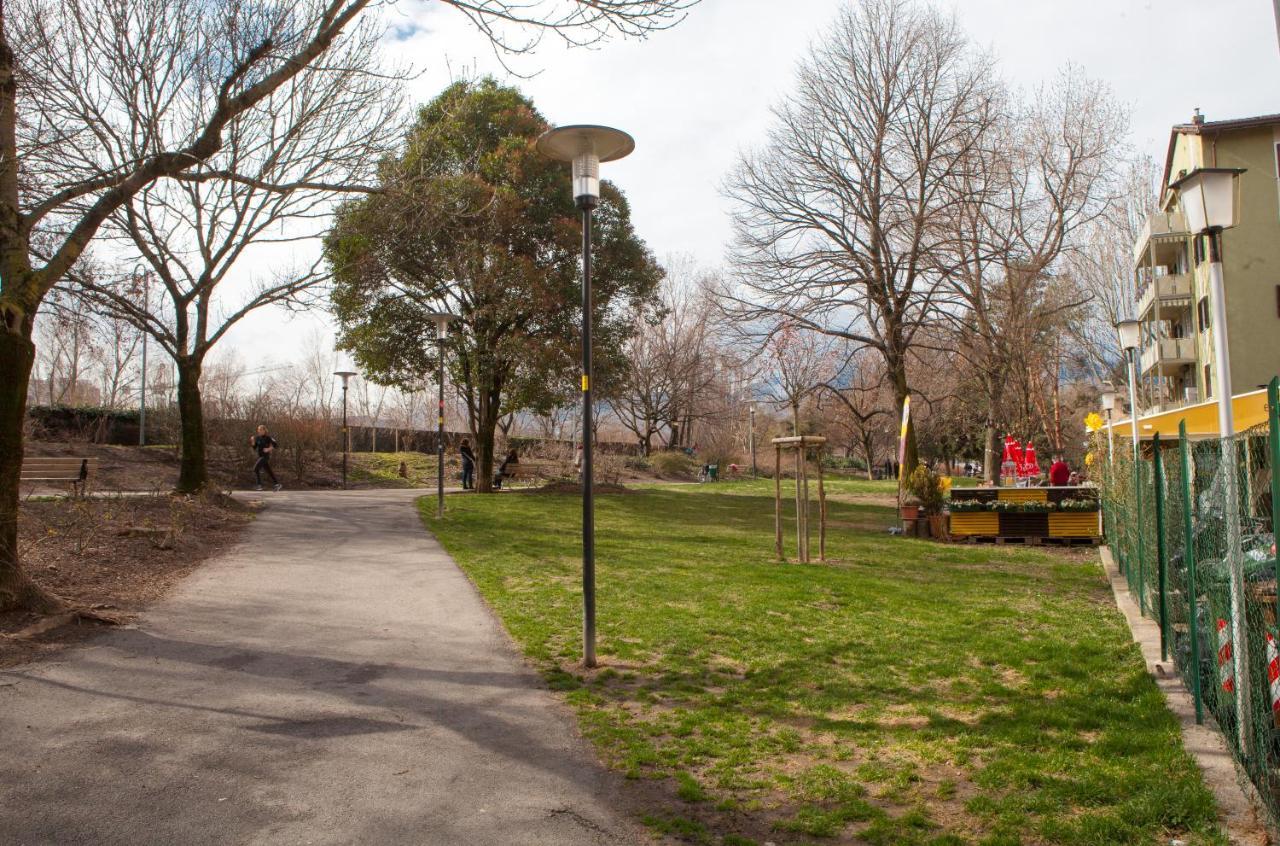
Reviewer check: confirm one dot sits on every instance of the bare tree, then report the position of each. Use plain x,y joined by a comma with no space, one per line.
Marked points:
322,131
1027,198
863,401
669,364
798,362
839,218
70,68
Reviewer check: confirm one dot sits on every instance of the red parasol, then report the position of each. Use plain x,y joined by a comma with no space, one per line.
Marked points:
1030,466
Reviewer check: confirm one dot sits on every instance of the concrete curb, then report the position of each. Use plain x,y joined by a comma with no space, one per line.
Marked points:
1239,805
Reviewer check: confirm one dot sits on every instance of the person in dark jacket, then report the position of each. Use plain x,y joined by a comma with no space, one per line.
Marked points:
263,444
512,458
468,465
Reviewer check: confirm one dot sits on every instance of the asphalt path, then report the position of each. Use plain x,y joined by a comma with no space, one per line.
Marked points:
333,679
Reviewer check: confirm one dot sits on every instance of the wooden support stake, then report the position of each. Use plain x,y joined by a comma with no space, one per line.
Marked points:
777,500
822,513
800,528
804,464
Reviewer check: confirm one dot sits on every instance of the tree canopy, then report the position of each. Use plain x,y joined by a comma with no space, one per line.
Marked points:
471,219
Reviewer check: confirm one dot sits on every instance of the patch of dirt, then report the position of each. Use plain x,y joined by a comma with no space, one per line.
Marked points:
113,556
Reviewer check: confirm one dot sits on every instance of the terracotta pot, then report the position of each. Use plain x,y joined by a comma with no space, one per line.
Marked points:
938,526
910,512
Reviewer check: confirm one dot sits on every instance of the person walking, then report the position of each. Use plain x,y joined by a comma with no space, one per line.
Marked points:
468,465
263,444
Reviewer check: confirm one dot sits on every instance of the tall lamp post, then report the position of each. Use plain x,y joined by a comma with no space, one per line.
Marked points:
441,319
1130,332
1210,200
142,289
1109,408
586,146
345,376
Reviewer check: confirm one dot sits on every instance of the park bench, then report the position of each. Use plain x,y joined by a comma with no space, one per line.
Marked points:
531,472
72,470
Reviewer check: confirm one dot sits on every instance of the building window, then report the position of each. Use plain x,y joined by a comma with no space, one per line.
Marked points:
1208,383
1197,248
1202,313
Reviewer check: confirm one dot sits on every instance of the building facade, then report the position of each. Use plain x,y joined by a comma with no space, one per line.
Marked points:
1171,269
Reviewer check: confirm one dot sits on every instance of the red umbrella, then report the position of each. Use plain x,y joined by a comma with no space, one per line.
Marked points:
1030,466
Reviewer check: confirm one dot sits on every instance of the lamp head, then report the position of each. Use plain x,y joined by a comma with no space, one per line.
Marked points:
1210,197
344,375
1130,332
441,319
1109,400
585,146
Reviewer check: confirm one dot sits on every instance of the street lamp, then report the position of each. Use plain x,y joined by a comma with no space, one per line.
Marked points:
1109,399
586,146
345,375
1210,200
145,291
1130,332
441,319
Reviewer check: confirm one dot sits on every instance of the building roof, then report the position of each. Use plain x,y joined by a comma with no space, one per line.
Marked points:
1201,126
1194,128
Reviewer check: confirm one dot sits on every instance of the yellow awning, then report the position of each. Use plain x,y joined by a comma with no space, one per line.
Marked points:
1202,418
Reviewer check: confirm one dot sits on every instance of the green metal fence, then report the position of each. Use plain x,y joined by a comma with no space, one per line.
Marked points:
1200,560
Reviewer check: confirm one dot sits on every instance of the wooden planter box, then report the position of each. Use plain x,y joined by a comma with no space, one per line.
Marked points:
1024,525
986,523
1075,524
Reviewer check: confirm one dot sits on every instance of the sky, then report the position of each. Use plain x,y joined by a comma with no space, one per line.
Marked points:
696,95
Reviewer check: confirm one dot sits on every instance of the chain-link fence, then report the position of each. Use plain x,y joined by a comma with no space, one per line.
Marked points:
1190,527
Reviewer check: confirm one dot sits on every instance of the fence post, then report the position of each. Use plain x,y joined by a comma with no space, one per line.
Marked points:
1273,441
1137,524
1189,557
1157,473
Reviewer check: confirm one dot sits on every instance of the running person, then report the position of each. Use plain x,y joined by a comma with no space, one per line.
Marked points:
263,444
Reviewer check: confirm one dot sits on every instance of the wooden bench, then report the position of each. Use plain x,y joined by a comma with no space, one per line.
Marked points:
72,470
537,471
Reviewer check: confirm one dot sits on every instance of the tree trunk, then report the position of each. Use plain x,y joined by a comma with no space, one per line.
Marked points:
486,429
868,449
17,354
193,473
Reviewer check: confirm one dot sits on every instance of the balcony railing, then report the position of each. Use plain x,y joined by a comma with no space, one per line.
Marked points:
1173,289
1168,353
1159,224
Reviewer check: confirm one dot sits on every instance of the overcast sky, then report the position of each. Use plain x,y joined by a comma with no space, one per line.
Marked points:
695,95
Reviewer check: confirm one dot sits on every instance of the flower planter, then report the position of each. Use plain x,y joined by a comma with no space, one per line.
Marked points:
910,512
1074,524
985,523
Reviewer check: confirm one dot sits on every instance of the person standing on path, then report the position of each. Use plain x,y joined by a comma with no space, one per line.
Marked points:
468,465
263,444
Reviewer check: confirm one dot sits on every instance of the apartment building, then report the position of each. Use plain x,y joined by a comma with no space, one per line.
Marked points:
1171,270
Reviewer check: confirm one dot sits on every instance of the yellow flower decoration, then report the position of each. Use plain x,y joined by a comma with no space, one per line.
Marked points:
1088,459
946,483
1093,422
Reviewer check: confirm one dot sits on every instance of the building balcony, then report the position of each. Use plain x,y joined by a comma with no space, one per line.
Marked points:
1159,226
1170,294
1167,356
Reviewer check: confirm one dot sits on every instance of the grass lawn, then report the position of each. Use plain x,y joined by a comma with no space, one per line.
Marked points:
905,692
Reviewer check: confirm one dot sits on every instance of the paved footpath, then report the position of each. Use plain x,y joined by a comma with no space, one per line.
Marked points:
335,679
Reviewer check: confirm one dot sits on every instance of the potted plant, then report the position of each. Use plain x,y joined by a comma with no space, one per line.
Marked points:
910,507
931,490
